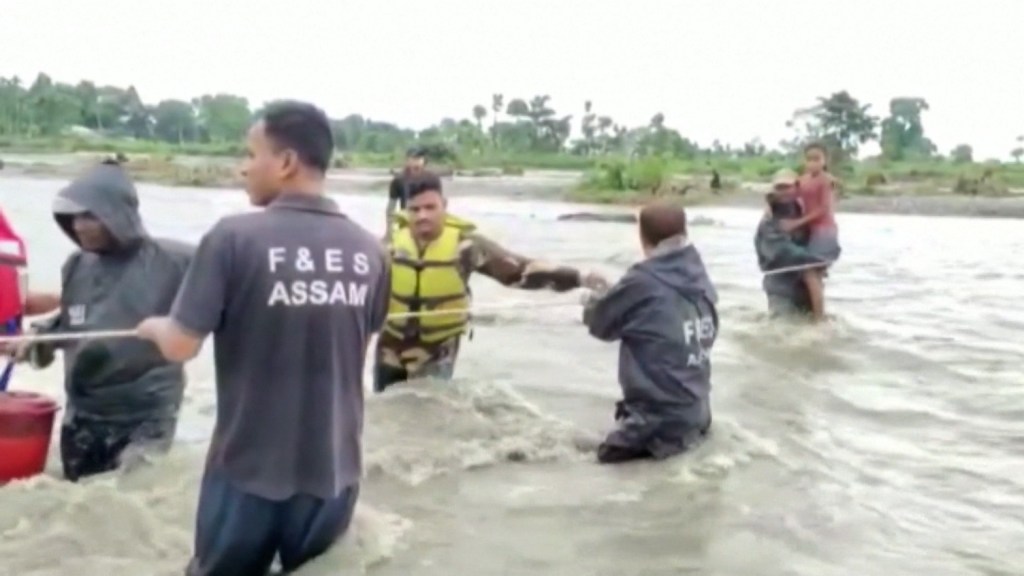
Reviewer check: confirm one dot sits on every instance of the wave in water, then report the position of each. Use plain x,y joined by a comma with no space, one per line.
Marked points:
426,428
140,521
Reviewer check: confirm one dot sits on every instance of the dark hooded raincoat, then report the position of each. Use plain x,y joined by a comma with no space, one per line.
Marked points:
777,249
663,313
119,391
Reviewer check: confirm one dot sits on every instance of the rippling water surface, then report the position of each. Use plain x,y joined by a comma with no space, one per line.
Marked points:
889,442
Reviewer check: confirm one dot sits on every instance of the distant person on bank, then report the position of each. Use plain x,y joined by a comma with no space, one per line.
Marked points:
398,190
663,314
292,295
122,394
433,255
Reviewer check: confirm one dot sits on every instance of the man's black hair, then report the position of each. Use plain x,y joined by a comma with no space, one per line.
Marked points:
416,152
424,182
302,128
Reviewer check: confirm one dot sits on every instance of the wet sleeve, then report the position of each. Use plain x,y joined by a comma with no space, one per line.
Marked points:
607,316
50,325
178,257
58,322
41,354
510,269
777,249
202,298
767,243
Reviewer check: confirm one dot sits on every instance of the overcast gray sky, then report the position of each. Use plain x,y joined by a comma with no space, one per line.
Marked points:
726,69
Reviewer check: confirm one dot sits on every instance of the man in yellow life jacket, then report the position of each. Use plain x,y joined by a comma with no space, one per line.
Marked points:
432,257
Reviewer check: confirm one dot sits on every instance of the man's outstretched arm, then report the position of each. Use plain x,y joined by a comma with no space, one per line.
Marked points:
510,269
608,311
199,307
39,303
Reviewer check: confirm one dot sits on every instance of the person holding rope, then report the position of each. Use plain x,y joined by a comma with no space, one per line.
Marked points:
16,302
292,295
789,267
433,256
663,313
817,196
123,397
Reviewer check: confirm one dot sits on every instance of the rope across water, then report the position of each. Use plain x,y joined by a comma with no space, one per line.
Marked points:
109,334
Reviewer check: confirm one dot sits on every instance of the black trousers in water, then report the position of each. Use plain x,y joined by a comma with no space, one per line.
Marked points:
240,534
640,437
89,447
611,454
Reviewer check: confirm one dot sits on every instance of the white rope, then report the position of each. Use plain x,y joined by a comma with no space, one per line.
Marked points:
111,334
799,268
94,335
525,305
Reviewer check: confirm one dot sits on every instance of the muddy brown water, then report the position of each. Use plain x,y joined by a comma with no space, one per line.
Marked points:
888,443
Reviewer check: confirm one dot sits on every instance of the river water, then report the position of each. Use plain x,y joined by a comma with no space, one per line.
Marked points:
889,442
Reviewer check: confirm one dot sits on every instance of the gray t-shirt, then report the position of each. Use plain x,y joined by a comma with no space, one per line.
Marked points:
292,295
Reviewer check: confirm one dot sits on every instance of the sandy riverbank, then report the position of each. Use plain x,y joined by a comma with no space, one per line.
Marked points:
531,186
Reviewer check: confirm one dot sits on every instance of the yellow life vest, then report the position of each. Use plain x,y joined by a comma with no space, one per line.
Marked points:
428,280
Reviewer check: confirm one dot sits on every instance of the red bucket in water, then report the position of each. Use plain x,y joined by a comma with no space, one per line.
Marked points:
26,424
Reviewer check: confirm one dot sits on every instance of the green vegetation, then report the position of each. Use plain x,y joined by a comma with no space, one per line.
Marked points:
505,136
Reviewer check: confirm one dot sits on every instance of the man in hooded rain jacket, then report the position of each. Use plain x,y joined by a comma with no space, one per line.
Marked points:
121,393
777,249
663,313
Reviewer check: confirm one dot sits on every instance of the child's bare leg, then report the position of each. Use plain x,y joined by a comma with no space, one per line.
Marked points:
816,291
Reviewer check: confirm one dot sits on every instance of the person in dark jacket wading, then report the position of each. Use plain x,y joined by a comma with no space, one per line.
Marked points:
777,249
663,313
121,393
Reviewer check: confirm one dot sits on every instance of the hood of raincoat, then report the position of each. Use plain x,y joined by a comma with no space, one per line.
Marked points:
107,192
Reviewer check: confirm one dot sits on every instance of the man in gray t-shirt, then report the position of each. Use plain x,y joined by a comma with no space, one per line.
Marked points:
292,296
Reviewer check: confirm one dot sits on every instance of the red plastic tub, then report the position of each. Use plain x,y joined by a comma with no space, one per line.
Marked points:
26,424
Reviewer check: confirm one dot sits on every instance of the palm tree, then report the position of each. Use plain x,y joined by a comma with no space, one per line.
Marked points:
497,105
479,113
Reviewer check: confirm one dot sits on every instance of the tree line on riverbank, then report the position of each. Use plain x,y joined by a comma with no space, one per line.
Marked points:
506,132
